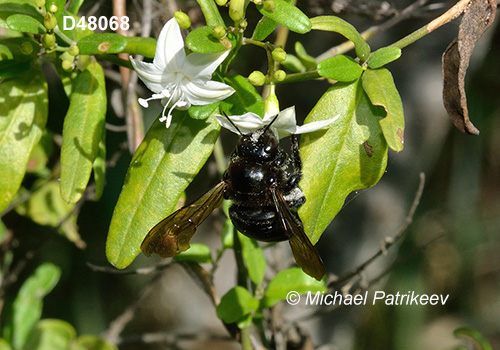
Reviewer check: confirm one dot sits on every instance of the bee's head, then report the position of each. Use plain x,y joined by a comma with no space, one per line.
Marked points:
259,145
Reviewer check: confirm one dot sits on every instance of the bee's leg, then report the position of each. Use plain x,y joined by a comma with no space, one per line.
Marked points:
297,163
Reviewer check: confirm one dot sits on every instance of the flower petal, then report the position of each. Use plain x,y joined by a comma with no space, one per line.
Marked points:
170,52
199,94
202,65
246,123
313,126
155,79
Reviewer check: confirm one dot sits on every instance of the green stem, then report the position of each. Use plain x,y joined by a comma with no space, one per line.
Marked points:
246,343
410,39
63,36
292,78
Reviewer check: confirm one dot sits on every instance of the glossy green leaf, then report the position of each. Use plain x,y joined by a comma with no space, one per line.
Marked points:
82,131
245,98
338,25
254,258
14,7
480,343
13,60
161,169
27,307
73,6
75,34
340,68
290,280
40,154
379,86
99,167
101,43
236,305
141,46
203,112
264,28
293,64
289,16
350,155
51,334
383,56
197,252
23,114
211,13
202,40
25,24
308,61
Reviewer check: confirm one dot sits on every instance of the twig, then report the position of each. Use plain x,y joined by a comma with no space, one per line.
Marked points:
139,271
388,241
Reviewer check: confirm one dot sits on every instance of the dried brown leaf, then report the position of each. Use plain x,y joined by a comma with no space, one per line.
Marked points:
477,18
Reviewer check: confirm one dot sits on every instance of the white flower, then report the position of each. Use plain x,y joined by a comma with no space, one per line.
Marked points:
177,79
284,125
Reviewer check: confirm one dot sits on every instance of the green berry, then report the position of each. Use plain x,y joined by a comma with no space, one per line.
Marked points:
221,2
49,21
48,40
219,32
74,50
279,75
53,8
39,3
67,65
26,48
269,5
257,78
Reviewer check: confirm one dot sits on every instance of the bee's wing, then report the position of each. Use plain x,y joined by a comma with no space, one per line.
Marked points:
303,251
171,236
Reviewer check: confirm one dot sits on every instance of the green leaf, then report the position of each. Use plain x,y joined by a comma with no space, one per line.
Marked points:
101,43
338,25
211,13
14,7
293,64
340,68
350,155
4,345
480,343
91,342
289,16
99,166
51,334
74,6
236,305
264,28
141,46
308,61
203,112
380,88
202,40
75,34
40,154
27,307
245,98
25,24
161,169
13,60
290,280
82,131
383,56
23,114
198,252
254,258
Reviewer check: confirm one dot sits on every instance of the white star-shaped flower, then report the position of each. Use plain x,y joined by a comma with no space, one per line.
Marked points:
177,79
284,125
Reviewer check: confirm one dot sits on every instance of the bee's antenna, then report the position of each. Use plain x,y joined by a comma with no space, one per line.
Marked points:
271,123
232,123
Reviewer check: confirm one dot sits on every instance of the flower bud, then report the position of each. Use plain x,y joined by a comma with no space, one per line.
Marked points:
49,21
67,65
257,78
48,40
53,8
242,23
221,2
73,50
26,48
39,3
278,54
183,19
272,105
257,2
236,9
279,75
269,5
219,32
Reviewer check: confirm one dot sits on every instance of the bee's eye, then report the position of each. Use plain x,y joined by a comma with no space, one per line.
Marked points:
271,145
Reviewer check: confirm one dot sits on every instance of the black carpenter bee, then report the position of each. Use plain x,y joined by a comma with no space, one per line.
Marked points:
264,198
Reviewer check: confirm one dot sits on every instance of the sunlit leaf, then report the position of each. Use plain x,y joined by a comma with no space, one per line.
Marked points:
99,167
202,40
253,256
290,280
197,252
236,305
379,86
480,343
383,56
162,167
245,98
338,25
264,28
350,155
4,345
101,43
211,13
307,60
82,131
340,68
25,24
23,114
289,16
